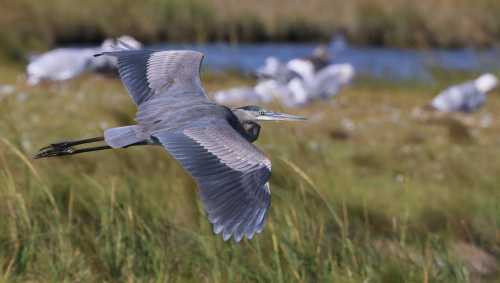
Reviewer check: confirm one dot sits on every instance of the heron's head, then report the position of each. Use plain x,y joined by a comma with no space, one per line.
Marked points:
256,113
250,115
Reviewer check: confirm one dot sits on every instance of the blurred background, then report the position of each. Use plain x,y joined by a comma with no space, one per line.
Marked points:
395,177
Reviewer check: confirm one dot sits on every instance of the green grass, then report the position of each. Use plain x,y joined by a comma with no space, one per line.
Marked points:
392,200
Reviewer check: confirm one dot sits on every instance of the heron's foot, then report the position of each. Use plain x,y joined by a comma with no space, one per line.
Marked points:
55,149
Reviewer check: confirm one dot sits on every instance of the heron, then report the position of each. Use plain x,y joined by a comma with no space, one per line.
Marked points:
466,97
212,142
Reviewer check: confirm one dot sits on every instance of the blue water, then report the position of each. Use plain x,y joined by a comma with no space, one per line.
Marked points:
385,63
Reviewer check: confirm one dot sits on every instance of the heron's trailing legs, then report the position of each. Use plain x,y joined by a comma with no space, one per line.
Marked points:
67,148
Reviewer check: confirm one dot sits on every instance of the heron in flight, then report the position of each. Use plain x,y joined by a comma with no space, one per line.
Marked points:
212,142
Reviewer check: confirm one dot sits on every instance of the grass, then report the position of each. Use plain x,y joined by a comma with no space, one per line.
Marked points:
361,193
27,25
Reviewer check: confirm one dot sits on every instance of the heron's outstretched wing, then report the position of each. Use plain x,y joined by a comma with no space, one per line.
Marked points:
148,74
232,175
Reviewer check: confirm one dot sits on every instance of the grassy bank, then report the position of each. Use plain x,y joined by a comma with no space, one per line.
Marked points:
26,24
361,193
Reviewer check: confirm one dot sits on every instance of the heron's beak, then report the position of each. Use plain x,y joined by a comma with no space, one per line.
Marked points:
276,116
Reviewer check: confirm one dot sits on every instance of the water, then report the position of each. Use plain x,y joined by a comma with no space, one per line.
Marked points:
385,63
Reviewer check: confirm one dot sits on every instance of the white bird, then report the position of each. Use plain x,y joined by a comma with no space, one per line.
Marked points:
274,69
320,57
66,63
110,64
324,84
466,97
329,81
296,83
263,92
270,69
236,95
60,64
303,67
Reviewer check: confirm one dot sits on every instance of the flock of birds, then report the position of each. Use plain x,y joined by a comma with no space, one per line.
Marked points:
295,83
214,143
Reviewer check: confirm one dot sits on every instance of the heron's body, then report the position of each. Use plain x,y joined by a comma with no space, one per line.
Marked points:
212,142
175,119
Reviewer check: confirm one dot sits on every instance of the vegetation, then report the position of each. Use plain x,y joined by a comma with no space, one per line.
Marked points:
361,193
27,24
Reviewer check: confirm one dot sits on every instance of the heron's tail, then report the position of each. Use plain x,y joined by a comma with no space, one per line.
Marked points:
122,136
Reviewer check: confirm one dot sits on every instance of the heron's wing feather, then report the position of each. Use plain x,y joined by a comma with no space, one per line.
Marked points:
148,74
232,175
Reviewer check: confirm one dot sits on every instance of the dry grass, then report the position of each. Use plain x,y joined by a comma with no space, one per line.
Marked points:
392,200
27,24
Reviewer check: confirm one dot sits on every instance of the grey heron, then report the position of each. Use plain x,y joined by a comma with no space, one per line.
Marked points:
212,142
466,97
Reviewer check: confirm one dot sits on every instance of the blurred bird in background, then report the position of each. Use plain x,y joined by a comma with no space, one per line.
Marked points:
67,63
466,97
295,83
453,105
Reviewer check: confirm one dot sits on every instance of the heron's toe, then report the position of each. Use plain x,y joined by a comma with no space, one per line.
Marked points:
54,150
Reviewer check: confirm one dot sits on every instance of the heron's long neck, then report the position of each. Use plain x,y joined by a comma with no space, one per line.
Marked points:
252,130
240,121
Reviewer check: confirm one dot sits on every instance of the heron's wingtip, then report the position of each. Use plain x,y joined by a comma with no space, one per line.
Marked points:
98,54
